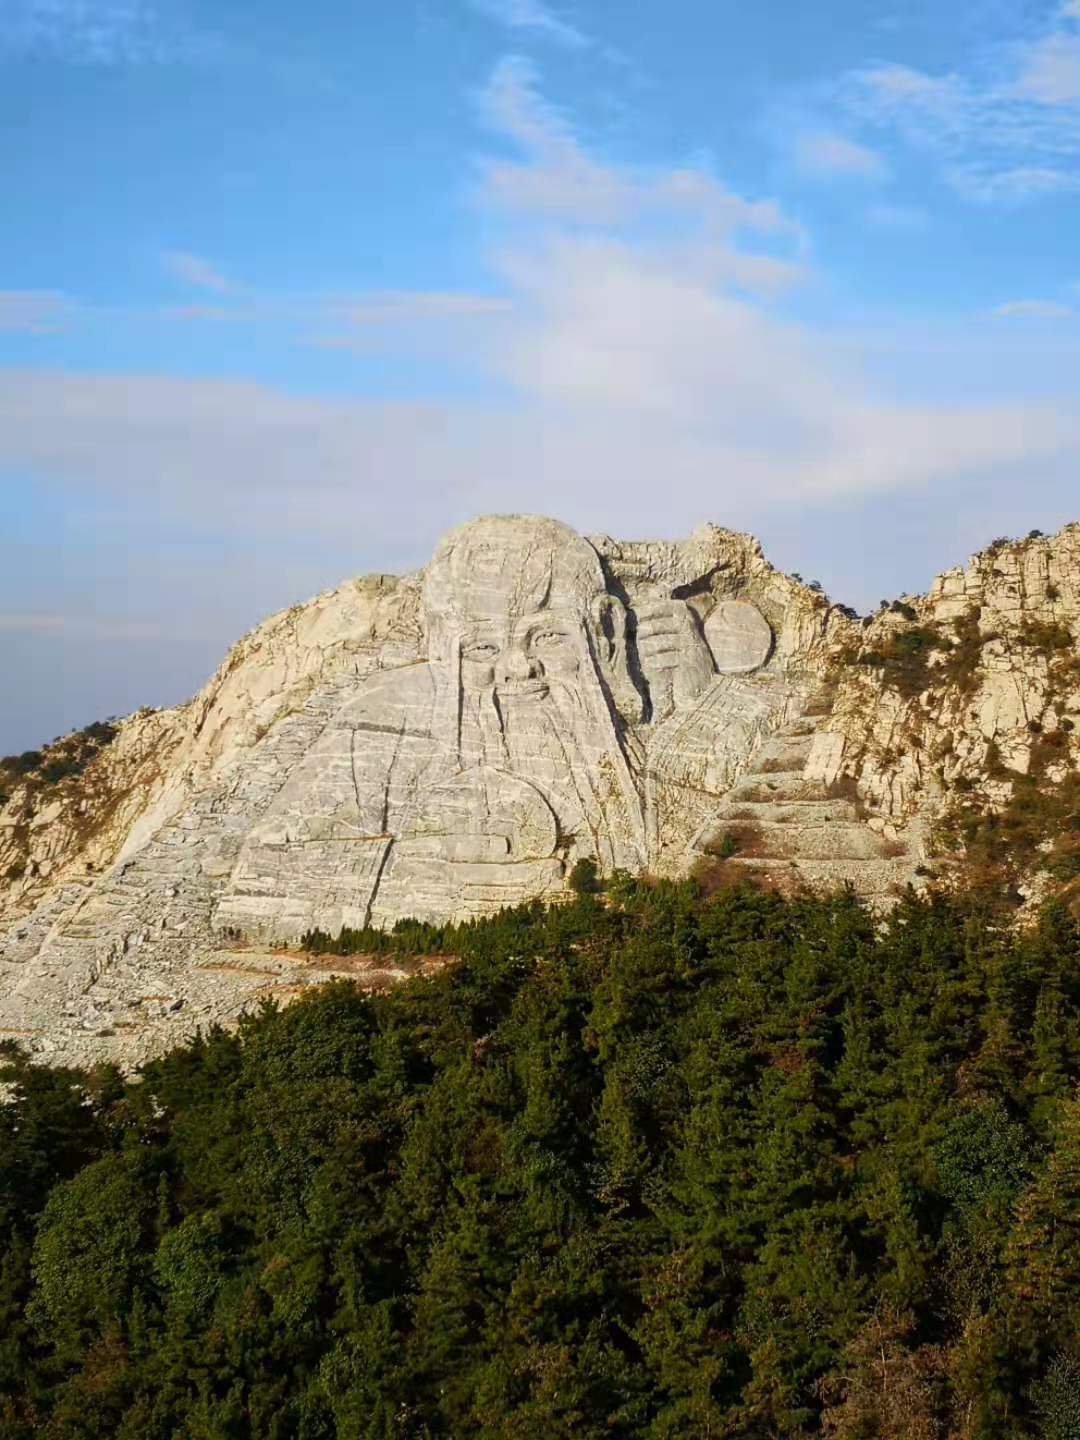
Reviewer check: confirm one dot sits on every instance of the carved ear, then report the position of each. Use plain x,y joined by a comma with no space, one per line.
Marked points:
609,621
609,628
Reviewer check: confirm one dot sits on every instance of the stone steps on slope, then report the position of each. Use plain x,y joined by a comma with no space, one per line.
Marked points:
777,785
834,841
792,832
781,754
877,880
783,812
804,726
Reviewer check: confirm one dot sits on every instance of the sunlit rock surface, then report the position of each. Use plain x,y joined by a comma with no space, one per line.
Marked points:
444,744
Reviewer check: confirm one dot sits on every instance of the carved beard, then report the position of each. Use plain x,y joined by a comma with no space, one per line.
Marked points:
508,730
569,749
565,743
550,725
549,742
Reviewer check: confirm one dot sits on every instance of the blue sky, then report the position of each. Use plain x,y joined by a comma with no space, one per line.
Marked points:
284,291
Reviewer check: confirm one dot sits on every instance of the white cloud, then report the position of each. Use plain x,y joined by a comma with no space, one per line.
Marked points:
558,178
194,270
643,373
1023,182
1005,127
98,32
1034,310
532,15
642,361
684,405
416,319
829,156
640,372
555,177
1051,72
900,92
402,308
34,312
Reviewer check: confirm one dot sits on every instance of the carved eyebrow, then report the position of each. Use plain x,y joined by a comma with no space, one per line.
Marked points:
539,630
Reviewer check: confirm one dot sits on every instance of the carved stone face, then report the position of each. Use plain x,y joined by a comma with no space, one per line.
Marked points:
521,658
513,606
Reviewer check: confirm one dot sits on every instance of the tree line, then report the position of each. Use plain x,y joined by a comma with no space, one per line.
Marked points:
653,1164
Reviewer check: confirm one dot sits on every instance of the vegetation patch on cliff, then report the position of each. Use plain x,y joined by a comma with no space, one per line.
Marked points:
1037,829
65,758
922,657
38,777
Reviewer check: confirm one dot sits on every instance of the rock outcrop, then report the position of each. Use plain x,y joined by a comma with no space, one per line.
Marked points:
959,713
443,744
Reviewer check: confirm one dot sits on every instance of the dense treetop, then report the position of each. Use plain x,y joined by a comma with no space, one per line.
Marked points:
651,1164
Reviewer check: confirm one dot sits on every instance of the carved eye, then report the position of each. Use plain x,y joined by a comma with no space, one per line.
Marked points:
549,639
481,651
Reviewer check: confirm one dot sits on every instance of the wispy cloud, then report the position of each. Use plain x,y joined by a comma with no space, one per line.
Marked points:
635,319
1004,127
1034,310
194,270
387,306
555,177
830,156
98,32
402,317
34,312
45,623
1017,184
364,321
535,16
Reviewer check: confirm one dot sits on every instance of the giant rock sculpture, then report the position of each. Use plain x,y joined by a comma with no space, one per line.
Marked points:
440,746
445,743
552,718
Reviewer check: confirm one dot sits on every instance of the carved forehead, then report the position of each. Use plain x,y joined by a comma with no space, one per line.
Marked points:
512,565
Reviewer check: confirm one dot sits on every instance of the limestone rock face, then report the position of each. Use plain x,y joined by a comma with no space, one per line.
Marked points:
443,744
1000,692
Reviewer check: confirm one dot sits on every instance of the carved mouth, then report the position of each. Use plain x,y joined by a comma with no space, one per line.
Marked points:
523,690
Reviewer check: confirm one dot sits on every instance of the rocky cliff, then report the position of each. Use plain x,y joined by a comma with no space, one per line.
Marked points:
446,743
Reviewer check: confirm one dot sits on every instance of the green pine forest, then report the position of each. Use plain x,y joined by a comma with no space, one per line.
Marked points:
656,1163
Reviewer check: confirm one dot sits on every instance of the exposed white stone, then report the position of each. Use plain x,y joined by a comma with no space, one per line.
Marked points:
826,756
447,743
739,637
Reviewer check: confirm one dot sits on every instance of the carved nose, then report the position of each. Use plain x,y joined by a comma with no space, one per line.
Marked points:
516,665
